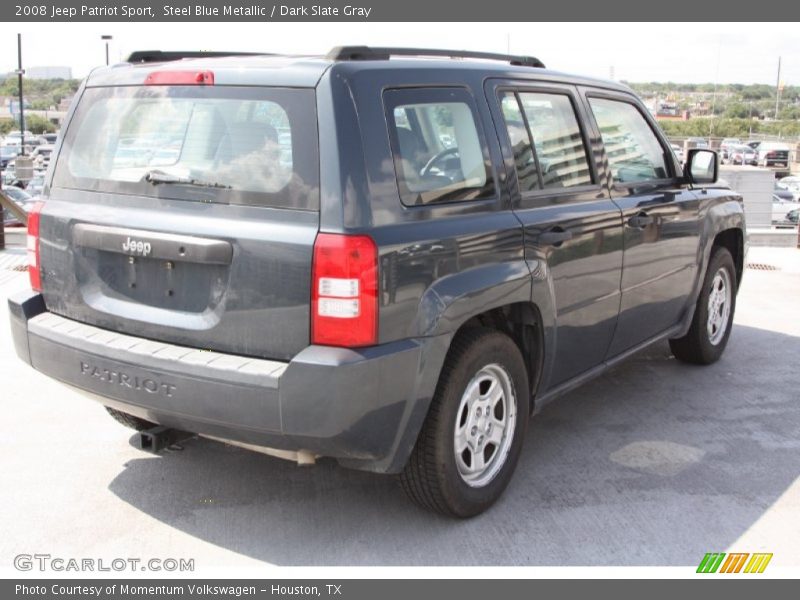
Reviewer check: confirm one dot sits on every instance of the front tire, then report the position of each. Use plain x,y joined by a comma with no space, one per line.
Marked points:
708,335
471,440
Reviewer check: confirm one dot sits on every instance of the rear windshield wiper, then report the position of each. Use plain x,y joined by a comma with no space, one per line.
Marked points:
159,177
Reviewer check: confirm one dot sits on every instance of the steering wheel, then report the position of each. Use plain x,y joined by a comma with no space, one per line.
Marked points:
436,158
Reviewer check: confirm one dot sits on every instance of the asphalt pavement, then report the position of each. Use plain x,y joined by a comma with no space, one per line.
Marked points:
654,463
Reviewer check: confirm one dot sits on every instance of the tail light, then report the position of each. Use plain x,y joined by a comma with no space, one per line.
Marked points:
772,154
344,297
34,266
180,78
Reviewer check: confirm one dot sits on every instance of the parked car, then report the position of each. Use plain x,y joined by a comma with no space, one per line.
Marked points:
773,154
790,184
49,138
22,199
41,155
10,178
9,174
789,181
697,142
726,144
35,186
677,149
742,155
389,301
783,194
7,154
14,138
781,207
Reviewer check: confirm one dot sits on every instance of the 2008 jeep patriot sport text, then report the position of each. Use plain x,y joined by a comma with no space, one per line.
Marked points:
384,256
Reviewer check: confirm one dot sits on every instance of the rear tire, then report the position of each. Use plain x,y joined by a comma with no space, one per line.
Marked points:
129,420
471,440
706,339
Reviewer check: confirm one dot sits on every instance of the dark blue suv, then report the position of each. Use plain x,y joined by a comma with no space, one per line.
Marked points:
391,257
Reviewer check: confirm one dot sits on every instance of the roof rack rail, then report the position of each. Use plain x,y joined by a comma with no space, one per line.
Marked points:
148,56
369,53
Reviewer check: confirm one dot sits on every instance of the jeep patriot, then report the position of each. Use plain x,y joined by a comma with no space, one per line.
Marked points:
390,257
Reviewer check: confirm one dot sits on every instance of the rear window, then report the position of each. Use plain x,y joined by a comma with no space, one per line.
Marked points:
255,146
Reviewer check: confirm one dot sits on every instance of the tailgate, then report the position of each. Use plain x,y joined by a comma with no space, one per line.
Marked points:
187,215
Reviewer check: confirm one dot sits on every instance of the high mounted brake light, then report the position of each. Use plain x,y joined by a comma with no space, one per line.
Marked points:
344,297
180,78
32,243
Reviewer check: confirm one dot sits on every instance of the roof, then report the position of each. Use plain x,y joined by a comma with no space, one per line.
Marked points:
306,71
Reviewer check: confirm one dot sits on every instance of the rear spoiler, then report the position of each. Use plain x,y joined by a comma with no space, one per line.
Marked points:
152,56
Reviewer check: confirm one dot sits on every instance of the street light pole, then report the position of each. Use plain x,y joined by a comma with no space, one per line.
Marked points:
106,39
778,89
21,106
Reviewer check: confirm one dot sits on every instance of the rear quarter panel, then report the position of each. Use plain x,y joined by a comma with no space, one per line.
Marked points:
440,264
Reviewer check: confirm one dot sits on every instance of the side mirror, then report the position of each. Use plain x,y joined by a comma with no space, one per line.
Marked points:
701,166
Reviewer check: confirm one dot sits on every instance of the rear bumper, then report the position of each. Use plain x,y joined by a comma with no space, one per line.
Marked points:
364,407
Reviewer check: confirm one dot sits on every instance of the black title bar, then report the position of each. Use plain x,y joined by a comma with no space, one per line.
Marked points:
398,10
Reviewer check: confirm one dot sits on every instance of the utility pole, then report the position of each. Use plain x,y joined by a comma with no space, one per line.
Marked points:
778,89
714,96
106,39
20,72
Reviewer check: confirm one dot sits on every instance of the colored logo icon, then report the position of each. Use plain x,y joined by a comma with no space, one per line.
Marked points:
734,562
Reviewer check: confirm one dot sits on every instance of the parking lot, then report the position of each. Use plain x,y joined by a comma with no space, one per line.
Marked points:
655,463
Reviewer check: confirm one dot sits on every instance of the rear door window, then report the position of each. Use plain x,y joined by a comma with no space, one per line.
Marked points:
223,144
439,149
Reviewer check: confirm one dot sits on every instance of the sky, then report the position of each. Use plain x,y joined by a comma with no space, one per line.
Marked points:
636,52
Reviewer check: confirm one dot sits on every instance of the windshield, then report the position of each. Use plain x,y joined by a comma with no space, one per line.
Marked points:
246,145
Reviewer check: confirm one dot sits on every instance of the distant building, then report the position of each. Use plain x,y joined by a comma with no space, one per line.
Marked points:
48,72
667,109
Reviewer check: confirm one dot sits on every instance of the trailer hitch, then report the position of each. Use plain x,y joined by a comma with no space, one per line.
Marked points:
160,438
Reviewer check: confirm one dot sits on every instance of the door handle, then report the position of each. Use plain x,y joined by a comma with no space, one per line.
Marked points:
641,220
554,237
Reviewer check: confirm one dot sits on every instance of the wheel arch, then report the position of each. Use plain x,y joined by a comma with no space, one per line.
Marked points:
522,322
732,239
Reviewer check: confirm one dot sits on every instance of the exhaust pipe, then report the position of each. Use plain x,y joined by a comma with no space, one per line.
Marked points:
303,458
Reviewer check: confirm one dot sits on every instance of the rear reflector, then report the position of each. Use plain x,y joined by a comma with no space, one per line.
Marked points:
32,243
344,298
180,78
